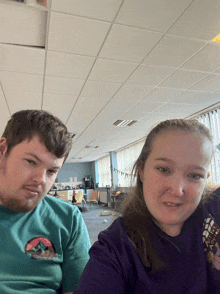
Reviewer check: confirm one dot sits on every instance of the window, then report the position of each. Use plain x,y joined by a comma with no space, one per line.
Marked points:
125,161
212,121
104,171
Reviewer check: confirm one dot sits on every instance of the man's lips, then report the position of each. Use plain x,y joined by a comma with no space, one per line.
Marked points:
32,190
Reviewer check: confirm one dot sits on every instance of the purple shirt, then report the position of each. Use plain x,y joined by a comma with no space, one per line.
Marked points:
115,268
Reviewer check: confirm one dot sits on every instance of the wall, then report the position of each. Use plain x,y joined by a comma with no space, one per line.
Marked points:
76,169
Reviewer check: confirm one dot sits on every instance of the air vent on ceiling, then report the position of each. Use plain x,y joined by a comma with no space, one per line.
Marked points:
124,123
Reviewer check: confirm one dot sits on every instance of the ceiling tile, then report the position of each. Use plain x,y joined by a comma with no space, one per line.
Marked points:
132,92
58,104
149,75
103,90
22,59
196,97
152,15
78,35
132,115
173,51
21,82
129,44
4,113
64,86
183,79
112,70
162,94
23,100
68,65
211,83
22,24
119,105
145,106
99,9
90,103
199,21
207,59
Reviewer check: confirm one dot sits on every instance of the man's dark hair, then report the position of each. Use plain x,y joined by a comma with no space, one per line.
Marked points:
25,124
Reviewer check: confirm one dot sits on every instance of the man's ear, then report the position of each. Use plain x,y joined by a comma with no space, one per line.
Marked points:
141,174
3,147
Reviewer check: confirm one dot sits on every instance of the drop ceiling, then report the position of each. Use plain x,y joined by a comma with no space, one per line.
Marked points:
92,62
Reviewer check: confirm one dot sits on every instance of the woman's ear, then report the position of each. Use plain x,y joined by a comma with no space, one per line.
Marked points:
3,147
141,174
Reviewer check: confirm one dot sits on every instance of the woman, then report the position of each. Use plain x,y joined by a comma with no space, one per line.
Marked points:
167,238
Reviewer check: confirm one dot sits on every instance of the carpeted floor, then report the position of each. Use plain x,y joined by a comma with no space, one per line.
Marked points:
96,223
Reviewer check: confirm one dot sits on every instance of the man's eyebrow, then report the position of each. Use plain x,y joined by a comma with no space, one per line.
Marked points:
170,160
38,159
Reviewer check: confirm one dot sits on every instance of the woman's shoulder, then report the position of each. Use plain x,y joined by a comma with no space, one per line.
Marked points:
212,206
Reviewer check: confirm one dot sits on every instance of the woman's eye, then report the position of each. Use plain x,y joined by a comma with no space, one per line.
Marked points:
163,170
195,176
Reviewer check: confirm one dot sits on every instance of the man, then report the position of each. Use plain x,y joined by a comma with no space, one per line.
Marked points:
44,241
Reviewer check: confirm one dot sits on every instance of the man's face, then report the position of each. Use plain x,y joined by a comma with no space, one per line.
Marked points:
26,174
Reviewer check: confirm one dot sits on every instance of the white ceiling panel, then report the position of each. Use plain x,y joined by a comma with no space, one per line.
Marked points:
103,90
119,105
211,83
152,15
128,43
132,92
23,100
60,105
90,103
68,65
74,34
64,86
22,59
150,75
145,106
4,112
132,115
162,94
196,97
173,51
21,82
99,9
112,70
183,79
199,21
106,60
207,59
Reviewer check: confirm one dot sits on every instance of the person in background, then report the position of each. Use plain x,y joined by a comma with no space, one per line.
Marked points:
44,241
167,238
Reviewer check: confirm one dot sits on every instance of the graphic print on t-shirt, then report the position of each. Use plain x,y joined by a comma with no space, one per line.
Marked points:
210,240
40,248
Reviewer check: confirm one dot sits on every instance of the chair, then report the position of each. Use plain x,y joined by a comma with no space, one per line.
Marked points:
79,199
95,197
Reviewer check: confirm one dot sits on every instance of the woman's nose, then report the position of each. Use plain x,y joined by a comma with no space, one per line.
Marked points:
177,186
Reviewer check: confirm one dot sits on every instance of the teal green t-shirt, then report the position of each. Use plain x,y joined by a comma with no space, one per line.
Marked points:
42,250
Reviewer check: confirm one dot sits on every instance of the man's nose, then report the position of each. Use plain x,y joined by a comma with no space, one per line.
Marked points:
39,177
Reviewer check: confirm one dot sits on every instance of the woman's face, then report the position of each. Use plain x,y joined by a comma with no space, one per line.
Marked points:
174,177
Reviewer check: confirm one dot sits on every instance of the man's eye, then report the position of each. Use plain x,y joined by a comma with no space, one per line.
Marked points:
31,161
51,171
195,176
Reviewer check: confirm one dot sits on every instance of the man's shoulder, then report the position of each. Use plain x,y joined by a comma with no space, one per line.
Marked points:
58,206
